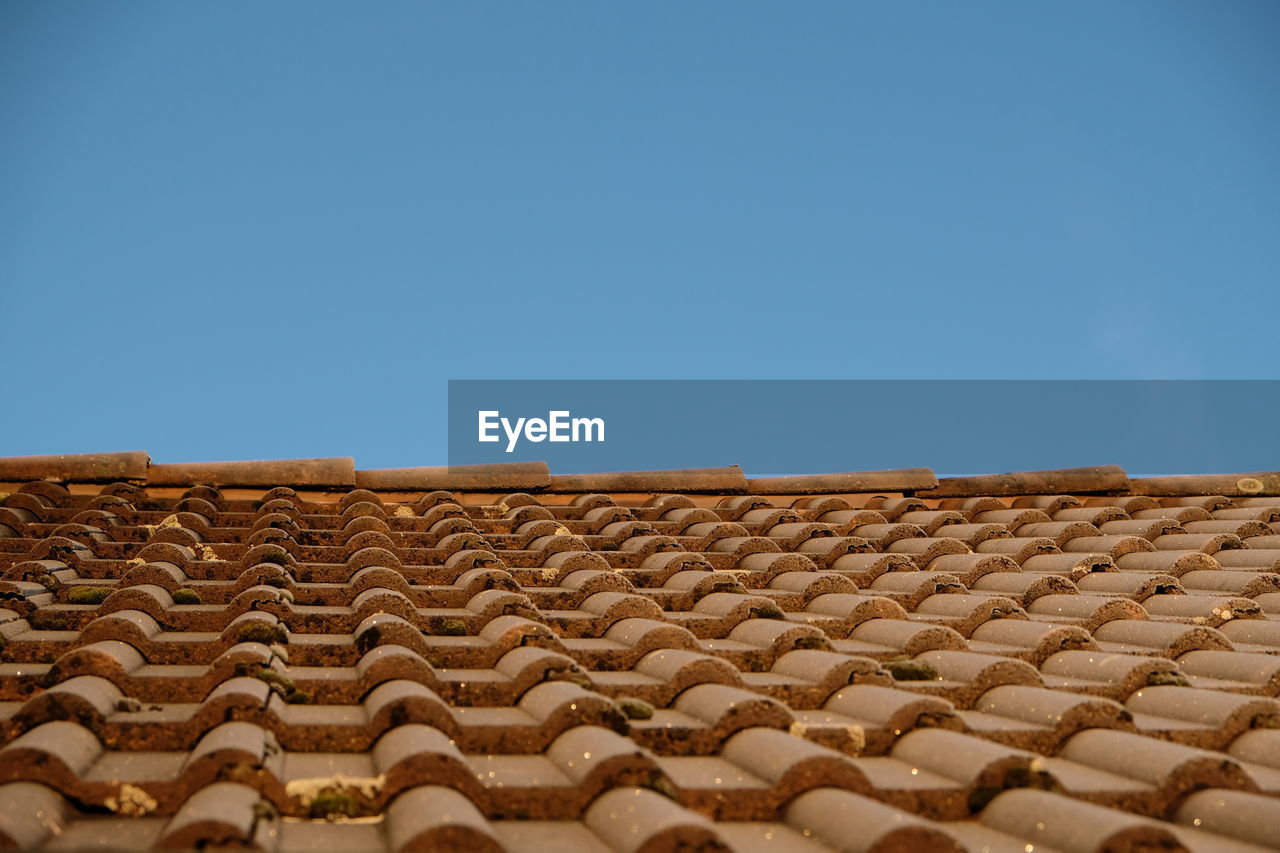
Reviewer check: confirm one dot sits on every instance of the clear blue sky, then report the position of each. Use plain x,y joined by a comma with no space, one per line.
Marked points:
244,230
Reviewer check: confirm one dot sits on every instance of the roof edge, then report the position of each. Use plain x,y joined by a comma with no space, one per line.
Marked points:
331,471
81,467
1255,484
853,482
517,476
1102,479
727,480
136,467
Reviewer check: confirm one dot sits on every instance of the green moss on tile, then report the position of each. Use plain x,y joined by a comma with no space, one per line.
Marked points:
907,669
768,611
634,709
450,628
664,786
273,677
47,622
186,595
88,594
280,684
573,675
330,804
1168,679
267,633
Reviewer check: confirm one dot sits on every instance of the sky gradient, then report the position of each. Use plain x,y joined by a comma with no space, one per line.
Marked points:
243,230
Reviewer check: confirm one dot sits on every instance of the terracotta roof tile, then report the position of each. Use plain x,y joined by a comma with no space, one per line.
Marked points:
516,475
1235,485
902,480
716,480
1235,814
299,472
80,467
1106,478
1050,821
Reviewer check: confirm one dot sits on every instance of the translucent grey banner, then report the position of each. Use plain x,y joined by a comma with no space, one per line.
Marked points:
772,427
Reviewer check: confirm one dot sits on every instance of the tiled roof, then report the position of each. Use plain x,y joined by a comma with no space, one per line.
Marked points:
300,655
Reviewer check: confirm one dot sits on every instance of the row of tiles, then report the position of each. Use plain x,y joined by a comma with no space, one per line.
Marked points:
986,716
668,515
836,637
741,764
641,820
